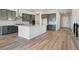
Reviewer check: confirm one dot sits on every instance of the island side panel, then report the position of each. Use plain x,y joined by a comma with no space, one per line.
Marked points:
24,31
37,30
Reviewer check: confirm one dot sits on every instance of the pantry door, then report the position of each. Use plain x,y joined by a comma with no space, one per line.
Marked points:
65,21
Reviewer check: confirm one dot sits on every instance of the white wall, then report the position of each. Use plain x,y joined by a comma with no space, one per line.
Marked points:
57,21
75,17
37,19
66,20
44,21
70,17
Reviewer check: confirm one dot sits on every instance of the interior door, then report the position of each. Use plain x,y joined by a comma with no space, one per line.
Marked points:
65,21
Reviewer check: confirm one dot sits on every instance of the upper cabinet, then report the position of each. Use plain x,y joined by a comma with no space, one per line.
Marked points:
7,14
3,15
11,15
28,17
25,17
33,17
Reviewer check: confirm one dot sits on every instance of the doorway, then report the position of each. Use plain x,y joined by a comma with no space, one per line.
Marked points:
50,21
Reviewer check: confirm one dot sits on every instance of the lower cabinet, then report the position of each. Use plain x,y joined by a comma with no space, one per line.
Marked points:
0,30
4,30
8,29
12,29
51,27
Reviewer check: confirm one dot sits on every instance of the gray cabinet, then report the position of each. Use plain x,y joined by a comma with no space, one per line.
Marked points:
3,14
51,27
26,17
13,15
29,18
33,17
7,14
32,20
1,30
8,29
4,30
12,29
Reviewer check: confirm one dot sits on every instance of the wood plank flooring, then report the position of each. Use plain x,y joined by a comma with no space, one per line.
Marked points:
63,39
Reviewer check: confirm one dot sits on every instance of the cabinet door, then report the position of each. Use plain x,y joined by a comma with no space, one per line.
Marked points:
3,14
15,29
10,29
0,30
9,14
26,17
4,30
33,17
23,17
13,15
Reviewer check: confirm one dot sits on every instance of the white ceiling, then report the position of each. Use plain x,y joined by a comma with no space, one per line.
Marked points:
65,11
38,10
62,11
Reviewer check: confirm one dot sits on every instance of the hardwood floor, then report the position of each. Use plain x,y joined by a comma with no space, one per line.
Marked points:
63,39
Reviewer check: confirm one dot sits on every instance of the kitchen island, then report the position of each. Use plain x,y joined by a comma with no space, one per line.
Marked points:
31,31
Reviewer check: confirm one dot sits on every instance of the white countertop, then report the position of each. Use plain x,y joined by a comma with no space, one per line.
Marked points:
31,25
